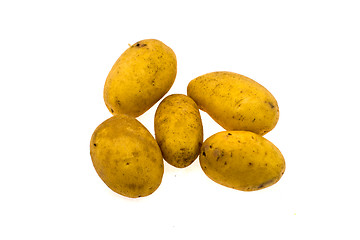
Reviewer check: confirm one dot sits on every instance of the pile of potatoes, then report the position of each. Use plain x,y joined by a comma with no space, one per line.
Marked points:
129,159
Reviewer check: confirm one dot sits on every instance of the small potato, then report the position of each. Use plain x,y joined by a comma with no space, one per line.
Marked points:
178,130
241,160
235,102
141,76
126,157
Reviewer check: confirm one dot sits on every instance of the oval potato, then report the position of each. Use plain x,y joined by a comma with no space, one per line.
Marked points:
141,76
241,160
235,102
178,130
126,157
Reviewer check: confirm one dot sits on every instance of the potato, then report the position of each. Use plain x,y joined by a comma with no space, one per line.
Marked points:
142,75
126,157
241,160
235,101
178,130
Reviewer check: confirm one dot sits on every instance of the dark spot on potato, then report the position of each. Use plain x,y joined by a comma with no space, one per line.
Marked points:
94,144
211,146
127,163
271,105
204,154
252,137
140,45
225,163
238,141
182,149
118,102
253,120
112,110
265,184
250,163
229,134
238,102
265,164
230,154
241,118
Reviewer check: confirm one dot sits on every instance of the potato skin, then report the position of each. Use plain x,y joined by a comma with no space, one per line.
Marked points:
178,130
241,160
141,76
235,102
126,157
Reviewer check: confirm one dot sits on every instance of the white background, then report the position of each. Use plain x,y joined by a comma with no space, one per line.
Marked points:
54,59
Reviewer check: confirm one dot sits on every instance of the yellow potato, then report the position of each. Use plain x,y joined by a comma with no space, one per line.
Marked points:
142,75
235,102
178,130
126,157
241,160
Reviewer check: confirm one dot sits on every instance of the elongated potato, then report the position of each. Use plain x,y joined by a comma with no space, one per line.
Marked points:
126,157
235,102
142,75
241,160
178,130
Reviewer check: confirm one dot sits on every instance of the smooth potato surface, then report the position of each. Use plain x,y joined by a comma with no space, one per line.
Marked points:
235,102
141,76
241,160
126,157
178,130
